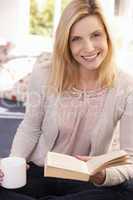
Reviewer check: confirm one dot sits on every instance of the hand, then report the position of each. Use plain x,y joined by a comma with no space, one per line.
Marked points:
27,166
1,176
97,178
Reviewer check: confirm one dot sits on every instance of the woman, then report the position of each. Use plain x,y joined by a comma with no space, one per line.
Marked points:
74,106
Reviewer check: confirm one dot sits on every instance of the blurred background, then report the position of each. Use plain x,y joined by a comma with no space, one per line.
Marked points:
27,29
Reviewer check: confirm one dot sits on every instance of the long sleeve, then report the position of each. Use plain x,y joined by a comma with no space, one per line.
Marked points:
119,174
29,130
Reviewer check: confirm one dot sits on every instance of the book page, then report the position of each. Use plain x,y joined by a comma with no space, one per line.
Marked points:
67,162
103,160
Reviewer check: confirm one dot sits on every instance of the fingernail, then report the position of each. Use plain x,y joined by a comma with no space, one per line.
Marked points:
1,174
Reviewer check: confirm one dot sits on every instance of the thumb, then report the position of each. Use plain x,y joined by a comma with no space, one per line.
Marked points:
27,166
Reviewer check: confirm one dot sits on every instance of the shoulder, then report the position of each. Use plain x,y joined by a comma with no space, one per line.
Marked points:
40,75
43,64
125,78
123,93
41,69
124,83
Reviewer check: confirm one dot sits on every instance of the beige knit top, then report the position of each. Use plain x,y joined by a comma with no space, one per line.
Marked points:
79,123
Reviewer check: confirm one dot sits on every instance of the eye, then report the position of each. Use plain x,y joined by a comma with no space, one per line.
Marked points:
74,39
96,34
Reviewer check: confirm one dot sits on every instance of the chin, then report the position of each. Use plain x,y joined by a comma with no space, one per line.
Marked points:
91,68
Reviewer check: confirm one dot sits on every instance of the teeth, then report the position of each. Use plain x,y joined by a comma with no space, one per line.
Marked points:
90,57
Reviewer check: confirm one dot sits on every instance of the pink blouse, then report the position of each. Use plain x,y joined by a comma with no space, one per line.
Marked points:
78,113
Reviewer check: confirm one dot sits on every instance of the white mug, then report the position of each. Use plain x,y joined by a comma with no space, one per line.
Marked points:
14,169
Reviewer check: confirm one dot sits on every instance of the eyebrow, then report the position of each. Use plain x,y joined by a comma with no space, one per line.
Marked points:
95,31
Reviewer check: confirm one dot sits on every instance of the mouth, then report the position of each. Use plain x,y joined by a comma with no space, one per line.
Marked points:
90,58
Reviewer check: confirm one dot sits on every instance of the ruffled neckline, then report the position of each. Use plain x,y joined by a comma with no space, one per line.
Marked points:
75,92
90,93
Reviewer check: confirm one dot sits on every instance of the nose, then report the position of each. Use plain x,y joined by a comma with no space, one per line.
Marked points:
88,45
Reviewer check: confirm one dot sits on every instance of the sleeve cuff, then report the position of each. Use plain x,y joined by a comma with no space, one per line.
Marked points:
113,177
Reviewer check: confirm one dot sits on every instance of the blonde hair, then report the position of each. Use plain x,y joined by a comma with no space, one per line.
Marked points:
64,72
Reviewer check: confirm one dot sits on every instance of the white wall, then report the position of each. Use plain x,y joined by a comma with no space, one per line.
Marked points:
14,18
126,7
109,7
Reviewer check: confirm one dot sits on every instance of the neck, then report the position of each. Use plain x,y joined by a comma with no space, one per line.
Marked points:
88,79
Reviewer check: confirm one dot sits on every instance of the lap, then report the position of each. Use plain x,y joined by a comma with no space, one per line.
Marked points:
10,195
39,187
125,192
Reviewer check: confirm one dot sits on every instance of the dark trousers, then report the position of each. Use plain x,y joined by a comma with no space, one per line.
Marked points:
42,188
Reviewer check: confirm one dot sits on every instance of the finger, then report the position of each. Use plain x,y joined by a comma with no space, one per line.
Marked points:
83,158
1,180
1,174
27,166
99,177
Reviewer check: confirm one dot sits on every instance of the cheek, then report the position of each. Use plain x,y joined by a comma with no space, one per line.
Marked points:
75,49
104,46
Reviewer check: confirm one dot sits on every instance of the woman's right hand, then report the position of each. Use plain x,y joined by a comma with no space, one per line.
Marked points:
1,176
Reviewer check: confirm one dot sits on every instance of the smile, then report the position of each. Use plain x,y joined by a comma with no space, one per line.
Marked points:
90,58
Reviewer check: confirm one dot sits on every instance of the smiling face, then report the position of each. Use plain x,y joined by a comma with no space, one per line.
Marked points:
88,43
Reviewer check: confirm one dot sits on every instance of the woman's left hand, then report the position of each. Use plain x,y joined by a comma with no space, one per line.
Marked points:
97,178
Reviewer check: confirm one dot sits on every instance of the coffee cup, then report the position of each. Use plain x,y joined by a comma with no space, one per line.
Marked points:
14,169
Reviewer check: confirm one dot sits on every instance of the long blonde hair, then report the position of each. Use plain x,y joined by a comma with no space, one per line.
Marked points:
64,71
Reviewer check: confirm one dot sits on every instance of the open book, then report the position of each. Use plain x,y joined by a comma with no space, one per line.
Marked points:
68,167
